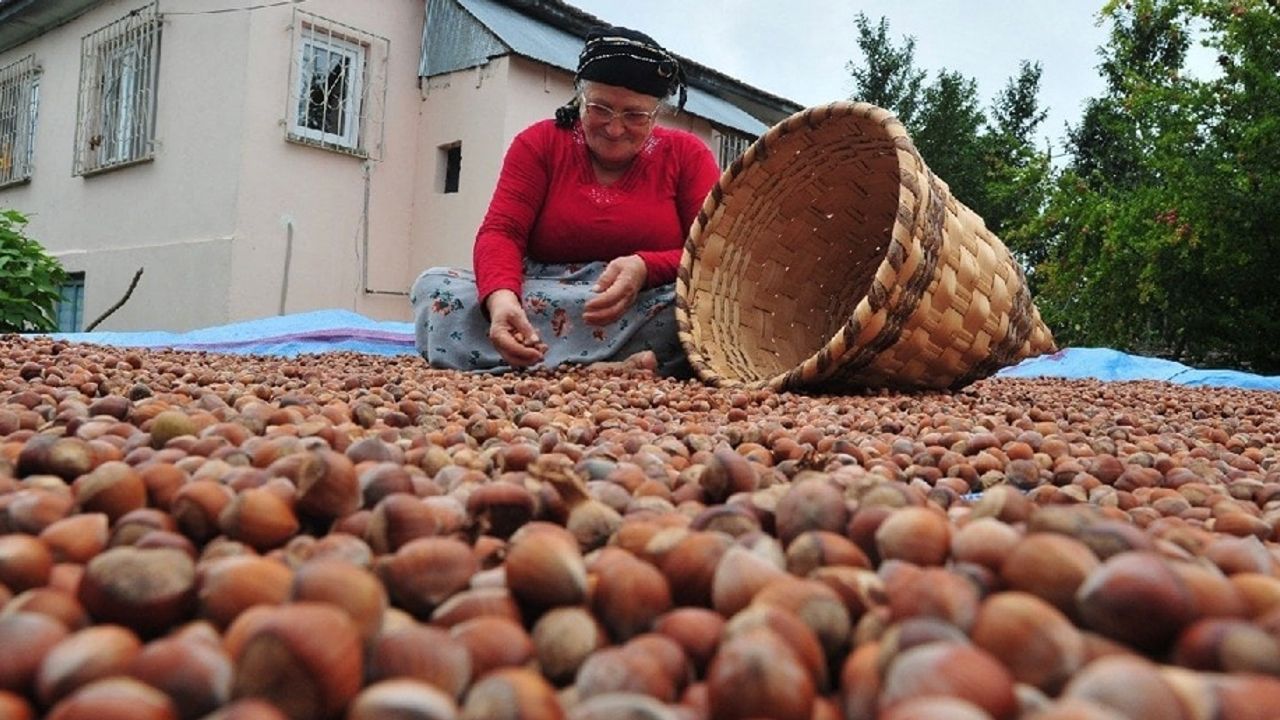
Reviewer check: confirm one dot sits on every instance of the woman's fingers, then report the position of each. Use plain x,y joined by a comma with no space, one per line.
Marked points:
516,353
607,307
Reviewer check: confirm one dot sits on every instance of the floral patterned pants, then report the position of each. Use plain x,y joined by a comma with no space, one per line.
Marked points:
452,330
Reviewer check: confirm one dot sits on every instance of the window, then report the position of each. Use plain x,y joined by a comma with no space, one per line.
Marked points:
71,304
118,64
730,146
19,96
338,86
452,157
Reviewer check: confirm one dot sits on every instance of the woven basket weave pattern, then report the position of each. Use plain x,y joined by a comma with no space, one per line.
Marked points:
828,256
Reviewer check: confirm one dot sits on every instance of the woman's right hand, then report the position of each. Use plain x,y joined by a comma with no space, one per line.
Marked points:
510,332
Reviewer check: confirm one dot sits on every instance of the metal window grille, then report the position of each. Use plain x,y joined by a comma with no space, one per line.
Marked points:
71,304
118,70
337,86
19,98
730,146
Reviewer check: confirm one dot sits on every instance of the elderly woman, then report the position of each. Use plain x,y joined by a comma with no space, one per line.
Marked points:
576,258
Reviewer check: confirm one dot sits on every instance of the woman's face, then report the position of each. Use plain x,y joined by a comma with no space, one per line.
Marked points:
616,121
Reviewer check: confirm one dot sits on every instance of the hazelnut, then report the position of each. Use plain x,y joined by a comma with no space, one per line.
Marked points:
791,630
814,549
1227,645
563,638
355,590
697,630
494,642
544,567
512,694
77,538
808,505
25,562
84,656
195,673
227,586
258,518
1031,637
115,698
614,670
756,674
26,638
1130,685
690,564
113,488
15,707
327,485
424,572
57,604
817,605
1051,567
985,541
476,602
305,658
916,535
1137,598
944,668
145,590
402,698
424,653
196,507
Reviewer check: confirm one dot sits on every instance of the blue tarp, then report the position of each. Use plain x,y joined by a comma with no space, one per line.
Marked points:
284,335
1107,364
328,330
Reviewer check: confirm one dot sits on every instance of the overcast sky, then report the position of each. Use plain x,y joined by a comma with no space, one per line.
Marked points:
799,48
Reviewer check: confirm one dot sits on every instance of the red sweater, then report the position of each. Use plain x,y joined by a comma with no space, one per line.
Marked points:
548,205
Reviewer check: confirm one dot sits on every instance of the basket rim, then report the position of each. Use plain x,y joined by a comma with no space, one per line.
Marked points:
825,359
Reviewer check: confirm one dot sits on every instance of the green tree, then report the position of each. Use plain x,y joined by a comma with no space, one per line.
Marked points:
30,280
990,164
1017,174
888,76
1159,236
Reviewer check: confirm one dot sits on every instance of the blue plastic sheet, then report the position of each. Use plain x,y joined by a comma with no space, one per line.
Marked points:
1113,365
329,330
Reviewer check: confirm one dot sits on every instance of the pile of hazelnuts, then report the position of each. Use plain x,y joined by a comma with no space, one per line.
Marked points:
192,535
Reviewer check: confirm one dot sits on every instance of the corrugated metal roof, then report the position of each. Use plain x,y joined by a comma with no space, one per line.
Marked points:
456,43
453,39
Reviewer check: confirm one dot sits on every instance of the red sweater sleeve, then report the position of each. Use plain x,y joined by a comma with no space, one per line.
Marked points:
498,255
698,173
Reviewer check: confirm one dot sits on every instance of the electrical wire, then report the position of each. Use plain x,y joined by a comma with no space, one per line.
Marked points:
246,8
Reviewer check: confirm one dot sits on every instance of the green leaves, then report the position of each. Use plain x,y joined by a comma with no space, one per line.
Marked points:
30,280
1163,238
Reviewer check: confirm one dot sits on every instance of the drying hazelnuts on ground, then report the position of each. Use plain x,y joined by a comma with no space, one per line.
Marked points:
188,535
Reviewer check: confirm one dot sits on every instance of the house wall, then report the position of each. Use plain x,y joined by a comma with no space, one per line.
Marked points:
316,195
161,216
231,221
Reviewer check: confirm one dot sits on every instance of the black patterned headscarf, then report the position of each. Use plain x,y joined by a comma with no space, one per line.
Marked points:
626,58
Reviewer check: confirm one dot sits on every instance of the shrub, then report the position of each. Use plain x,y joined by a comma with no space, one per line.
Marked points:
30,279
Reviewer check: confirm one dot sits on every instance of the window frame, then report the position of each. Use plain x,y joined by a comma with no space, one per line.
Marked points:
21,81
354,90
76,282
729,146
119,72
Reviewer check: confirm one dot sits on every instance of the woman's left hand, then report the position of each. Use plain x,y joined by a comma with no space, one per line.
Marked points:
622,280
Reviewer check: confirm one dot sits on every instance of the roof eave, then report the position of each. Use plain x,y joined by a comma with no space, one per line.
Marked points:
23,20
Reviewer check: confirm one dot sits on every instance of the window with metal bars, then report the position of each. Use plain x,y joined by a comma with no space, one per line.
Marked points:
118,69
338,86
730,146
19,98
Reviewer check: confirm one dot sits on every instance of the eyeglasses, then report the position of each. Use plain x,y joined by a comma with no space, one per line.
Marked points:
604,115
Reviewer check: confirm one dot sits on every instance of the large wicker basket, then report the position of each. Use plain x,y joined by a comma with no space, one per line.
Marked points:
829,257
